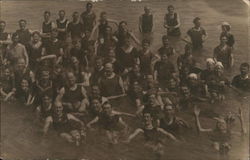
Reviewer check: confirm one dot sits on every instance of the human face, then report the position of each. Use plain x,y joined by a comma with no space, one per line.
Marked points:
197,23
61,14
185,91
77,44
89,7
95,90
147,119
223,40
75,17
71,79
21,64
147,10
219,70
36,38
169,111
24,84
45,75
222,126
46,101
99,64
6,73
15,39
59,109
164,57
2,27
22,25
210,66
170,10
46,17
152,100
96,105
124,26
165,42
244,70
107,109
108,71
145,46
172,83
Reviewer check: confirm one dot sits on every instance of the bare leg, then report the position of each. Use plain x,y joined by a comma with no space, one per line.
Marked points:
67,137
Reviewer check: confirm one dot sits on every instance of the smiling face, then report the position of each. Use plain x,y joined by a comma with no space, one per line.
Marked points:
46,100
36,38
223,40
24,84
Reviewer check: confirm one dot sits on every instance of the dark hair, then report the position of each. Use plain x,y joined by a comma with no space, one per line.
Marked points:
47,12
98,58
103,13
89,4
2,22
196,19
170,6
36,32
75,13
14,35
245,65
227,27
22,20
62,11
164,37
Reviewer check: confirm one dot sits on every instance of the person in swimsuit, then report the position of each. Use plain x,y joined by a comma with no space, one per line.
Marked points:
111,122
172,22
66,125
62,24
47,27
23,33
88,18
151,135
146,24
197,35
5,40
223,53
226,27
222,133
75,28
242,81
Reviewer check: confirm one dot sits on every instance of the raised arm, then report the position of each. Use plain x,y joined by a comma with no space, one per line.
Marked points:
197,121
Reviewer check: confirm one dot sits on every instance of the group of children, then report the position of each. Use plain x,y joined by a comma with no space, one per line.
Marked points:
71,71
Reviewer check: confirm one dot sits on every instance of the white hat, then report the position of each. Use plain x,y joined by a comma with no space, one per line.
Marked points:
210,61
219,65
225,23
193,76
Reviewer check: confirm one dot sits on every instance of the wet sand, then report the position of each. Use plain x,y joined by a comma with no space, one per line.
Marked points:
19,134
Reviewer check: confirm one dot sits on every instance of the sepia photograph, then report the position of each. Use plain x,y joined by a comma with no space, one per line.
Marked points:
124,79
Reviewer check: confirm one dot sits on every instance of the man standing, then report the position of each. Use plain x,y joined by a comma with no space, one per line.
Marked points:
88,18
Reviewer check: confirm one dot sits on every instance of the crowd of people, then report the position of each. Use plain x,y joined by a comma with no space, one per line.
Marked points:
71,71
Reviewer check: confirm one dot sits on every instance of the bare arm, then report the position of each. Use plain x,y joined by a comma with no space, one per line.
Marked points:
133,135
197,121
47,123
96,119
169,135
